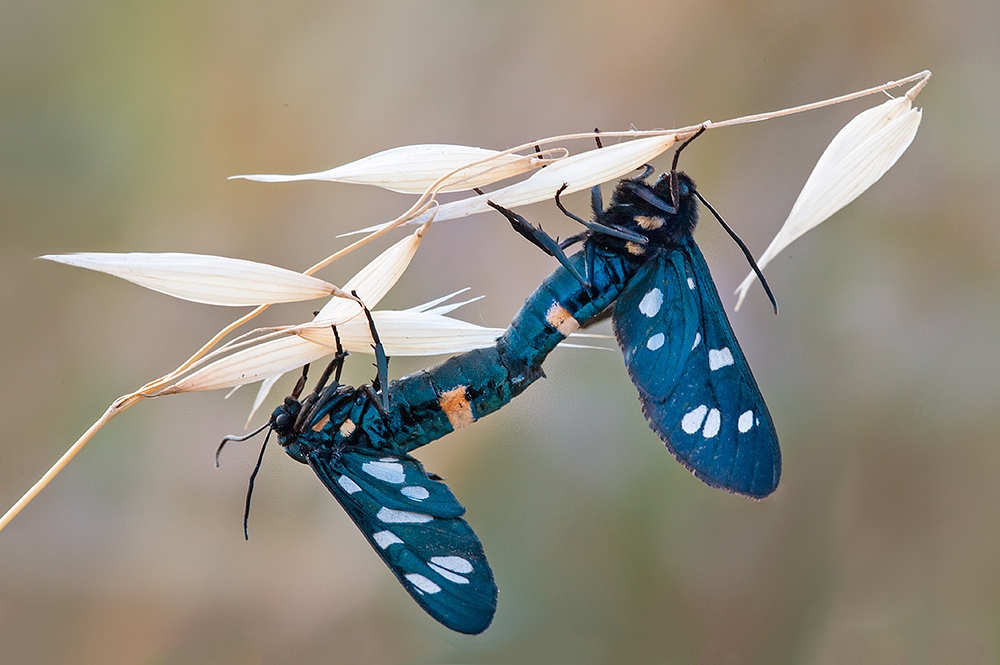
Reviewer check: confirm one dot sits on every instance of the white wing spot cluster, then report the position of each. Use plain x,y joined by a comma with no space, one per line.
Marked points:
386,538
655,342
415,492
390,516
691,283
691,422
422,584
745,422
719,358
448,567
651,302
388,471
349,485
453,563
696,417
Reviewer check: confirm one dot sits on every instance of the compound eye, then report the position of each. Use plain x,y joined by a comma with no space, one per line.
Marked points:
282,421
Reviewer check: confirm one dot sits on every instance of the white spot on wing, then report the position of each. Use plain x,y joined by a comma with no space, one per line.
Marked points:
415,492
712,424
390,516
651,302
719,358
390,472
697,341
448,575
455,563
349,485
691,283
655,342
422,584
745,422
691,422
386,538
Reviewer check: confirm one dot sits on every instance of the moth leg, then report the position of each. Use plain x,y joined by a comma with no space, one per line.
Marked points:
645,192
322,392
596,201
374,398
336,364
540,239
647,170
380,385
572,240
301,383
597,227
590,257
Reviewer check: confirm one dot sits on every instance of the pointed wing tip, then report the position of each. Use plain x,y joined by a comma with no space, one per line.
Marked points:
473,625
742,489
751,490
476,630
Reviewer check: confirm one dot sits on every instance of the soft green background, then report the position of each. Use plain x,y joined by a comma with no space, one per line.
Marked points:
119,122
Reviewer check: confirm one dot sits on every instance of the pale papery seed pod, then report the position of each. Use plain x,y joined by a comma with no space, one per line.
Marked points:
577,172
856,158
203,278
412,169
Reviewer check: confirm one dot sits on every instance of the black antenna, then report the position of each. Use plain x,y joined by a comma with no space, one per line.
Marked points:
746,251
231,437
253,477
674,193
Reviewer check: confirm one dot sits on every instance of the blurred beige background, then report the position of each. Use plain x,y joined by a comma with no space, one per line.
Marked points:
119,123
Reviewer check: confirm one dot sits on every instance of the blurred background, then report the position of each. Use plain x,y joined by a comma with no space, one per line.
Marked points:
119,123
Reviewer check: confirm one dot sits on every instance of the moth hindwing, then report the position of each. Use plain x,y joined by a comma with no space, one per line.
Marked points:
414,523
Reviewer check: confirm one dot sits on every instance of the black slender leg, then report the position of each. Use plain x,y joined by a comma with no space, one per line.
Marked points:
336,364
381,382
589,259
645,192
597,227
540,239
596,201
374,398
301,383
572,240
647,170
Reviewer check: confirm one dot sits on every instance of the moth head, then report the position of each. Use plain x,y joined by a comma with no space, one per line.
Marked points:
665,189
283,418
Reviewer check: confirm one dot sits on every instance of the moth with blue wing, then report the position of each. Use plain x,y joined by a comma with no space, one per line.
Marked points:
410,518
640,264
695,385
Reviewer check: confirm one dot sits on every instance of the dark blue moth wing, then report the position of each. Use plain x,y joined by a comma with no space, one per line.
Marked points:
695,385
415,525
